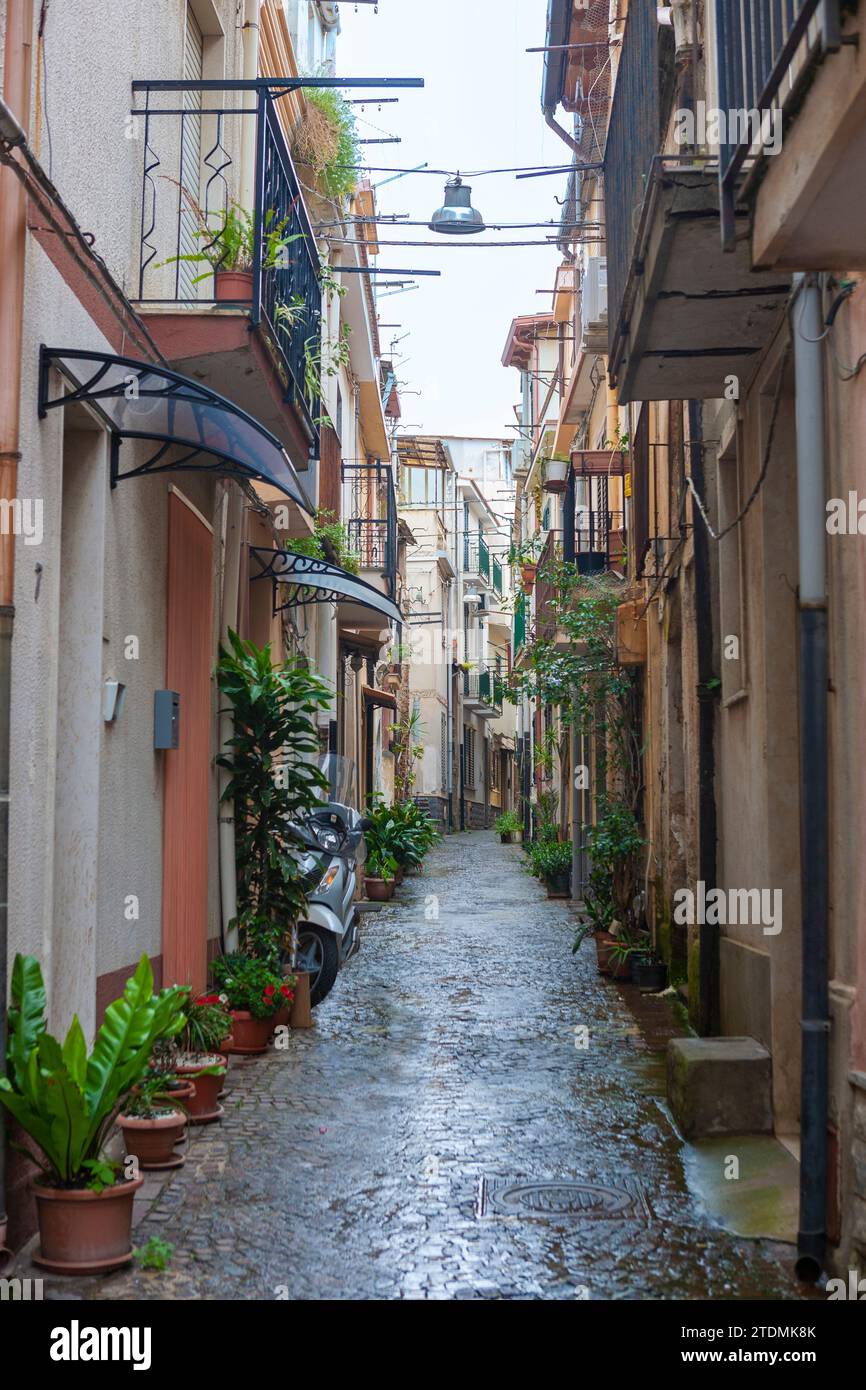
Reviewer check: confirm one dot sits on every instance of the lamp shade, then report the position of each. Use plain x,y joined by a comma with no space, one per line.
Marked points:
457,216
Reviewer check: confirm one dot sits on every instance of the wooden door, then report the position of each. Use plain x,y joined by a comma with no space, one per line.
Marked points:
187,767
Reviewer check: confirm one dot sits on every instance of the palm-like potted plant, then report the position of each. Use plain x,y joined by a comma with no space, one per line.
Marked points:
67,1101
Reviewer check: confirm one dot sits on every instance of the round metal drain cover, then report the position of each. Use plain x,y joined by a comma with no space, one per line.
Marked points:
564,1198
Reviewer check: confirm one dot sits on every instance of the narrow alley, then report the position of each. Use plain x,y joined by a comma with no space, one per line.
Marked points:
439,1075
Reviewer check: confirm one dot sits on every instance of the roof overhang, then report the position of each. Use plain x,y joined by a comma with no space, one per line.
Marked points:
195,429
305,579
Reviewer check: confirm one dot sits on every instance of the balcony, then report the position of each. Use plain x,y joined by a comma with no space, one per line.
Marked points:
476,560
483,693
371,521
215,161
683,315
799,63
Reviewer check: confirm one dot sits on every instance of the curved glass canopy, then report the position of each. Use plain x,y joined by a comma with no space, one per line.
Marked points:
138,400
310,580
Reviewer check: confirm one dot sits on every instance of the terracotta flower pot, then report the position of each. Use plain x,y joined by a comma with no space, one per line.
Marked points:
378,890
204,1107
399,875
281,1018
152,1141
620,968
529,571
82,1232
233,285
250,1035
603,946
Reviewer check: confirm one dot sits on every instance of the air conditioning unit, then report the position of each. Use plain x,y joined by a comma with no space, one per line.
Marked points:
594,294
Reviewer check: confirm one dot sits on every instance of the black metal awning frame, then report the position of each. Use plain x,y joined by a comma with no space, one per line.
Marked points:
310,580
177,388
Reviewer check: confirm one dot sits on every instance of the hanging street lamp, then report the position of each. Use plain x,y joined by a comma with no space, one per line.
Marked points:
457,216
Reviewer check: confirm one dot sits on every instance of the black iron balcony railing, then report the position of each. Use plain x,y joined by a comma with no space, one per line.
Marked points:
202,142
476,557
599,548
766,48
640,102
372,518
484,688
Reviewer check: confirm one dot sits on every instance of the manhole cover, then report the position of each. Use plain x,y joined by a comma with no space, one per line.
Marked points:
584,1200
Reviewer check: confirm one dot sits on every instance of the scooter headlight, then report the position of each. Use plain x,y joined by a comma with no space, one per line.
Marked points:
328,838
328,878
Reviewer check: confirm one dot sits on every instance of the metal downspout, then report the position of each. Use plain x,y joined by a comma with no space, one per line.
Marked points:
16,93
709,1012
807,328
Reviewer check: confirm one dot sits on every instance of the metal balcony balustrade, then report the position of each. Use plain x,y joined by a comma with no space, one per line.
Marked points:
633,141
484,688
519,622
476,557
371,519
599,547
497,576
195,138
765,50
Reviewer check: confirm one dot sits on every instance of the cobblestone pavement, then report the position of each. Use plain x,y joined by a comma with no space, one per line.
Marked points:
371,1157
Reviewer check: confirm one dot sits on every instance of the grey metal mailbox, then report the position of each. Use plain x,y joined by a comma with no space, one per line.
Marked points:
166,719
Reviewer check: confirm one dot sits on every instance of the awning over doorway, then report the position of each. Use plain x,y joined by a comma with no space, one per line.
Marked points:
138,400
304,579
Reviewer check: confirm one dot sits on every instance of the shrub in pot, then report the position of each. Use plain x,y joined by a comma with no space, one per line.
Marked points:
67,1101
379,875
152,1120
227,242
201,1058
509,828
649,972
551,861
252,991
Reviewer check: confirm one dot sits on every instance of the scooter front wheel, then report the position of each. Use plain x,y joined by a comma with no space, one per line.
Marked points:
318,953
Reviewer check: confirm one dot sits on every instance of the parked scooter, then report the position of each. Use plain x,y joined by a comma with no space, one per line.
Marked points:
331,850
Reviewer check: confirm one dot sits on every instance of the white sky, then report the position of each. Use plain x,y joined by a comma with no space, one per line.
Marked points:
480,108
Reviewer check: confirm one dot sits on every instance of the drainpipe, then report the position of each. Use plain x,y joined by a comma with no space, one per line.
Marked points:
250,41
449,707
814,838
568,556
13,233
233,516
709,1014
555,65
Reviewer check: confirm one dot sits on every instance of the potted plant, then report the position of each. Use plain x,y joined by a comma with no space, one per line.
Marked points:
66,1101
551,861
201,1056
379,876
152,1121
509,828
252,991
649,972
228,249
556,472
619,957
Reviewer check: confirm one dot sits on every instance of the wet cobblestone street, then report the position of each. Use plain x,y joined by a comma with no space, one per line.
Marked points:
372,1157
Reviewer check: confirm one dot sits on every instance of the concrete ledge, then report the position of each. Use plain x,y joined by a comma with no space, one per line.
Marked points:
720,1086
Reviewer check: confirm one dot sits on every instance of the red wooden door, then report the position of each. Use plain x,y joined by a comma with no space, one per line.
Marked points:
187,767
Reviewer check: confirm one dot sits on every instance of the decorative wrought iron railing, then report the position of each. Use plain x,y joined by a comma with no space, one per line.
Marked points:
765,49
196,139
371,518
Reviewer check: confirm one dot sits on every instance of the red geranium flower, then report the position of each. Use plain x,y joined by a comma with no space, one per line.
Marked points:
286,991
269,991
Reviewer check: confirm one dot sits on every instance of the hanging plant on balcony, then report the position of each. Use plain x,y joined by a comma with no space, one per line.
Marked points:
329,541
228,247
326,142
556,468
